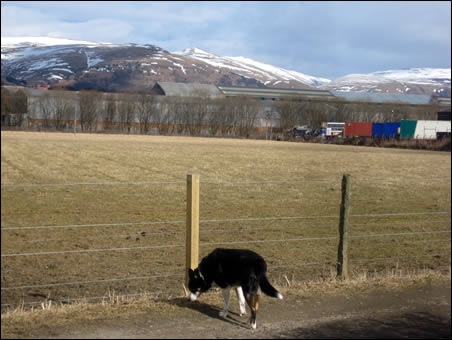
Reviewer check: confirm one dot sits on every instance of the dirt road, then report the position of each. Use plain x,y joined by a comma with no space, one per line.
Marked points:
416,312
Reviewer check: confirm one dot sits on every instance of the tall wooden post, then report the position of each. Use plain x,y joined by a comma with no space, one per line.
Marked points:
342,256
192,232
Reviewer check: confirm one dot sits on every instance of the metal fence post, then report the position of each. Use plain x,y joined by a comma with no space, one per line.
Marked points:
342,256
192,232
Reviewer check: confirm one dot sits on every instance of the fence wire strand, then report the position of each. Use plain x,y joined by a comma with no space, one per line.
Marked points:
242,219
225,220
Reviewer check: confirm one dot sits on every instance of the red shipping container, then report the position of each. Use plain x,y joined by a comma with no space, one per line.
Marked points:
358,129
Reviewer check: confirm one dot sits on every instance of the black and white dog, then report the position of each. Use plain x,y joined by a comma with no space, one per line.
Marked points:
242,269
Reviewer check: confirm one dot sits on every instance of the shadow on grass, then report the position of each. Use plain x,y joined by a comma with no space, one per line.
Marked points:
208,310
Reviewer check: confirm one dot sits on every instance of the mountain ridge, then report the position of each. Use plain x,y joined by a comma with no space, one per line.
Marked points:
79,64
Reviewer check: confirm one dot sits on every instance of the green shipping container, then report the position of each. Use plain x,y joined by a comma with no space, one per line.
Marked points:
407,128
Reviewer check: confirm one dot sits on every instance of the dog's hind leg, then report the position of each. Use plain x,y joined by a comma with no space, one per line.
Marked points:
241,299
225,310
253,301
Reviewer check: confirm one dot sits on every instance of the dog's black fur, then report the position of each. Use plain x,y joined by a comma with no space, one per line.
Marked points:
233,268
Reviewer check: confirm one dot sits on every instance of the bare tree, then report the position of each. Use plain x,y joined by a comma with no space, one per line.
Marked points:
196,112
145,107
314,114
47,109
64,111
216,115
127,112
89,110
228,115
14,106
289,112
110,109
247,115
161,116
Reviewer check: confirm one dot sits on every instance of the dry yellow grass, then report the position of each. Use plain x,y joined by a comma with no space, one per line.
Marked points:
25,323
287,179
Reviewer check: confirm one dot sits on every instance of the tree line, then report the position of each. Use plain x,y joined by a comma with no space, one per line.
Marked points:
296,111
92,111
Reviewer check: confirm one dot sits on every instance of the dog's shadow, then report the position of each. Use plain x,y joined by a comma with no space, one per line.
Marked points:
209,310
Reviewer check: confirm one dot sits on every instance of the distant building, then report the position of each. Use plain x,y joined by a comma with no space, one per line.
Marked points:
275,93
444,115
443,101
185,90
373,97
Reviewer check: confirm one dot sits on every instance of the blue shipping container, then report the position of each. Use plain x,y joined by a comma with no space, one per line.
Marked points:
378,130
391,130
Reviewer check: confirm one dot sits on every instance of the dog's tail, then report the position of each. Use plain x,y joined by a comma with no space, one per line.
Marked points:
268,289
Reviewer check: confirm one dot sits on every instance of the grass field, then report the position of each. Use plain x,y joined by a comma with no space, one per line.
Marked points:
129,192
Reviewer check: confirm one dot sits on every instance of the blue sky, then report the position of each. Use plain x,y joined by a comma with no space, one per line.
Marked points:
324,39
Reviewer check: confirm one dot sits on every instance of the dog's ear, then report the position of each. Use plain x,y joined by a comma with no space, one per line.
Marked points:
191,273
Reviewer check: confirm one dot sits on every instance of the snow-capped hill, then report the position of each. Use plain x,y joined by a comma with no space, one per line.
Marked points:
196,53
284,74
361,78
104,66
417,75
409,81
267,74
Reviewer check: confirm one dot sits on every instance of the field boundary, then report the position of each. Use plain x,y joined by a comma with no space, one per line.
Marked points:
194,259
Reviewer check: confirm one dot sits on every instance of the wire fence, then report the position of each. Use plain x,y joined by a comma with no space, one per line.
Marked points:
27,275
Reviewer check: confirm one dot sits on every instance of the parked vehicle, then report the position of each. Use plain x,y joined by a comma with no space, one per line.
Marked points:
331,129
301,131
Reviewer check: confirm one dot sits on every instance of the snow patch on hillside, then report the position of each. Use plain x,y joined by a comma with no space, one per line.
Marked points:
251,67
417,75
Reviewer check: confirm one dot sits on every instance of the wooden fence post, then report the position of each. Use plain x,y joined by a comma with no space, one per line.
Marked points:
192,232
342,256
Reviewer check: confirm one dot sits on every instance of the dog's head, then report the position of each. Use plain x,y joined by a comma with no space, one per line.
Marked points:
197,284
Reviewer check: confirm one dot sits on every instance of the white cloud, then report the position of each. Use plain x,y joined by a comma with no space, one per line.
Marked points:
324,39
35,23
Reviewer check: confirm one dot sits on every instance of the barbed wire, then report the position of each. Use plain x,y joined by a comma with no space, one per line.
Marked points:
92,281
92,250
243,219
400,224
397,257
336,180
380,244
137,278
273,228
417,180
87,183
399,234
227,220
220,242
179,275
94,225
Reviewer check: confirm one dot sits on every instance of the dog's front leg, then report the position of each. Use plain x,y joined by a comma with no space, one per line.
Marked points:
241,299
225,310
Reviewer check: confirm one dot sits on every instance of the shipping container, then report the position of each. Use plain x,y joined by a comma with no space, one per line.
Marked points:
378,130
391,130
407,128
358,129
423,129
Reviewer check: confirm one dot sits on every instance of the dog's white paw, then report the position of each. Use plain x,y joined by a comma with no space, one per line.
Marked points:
223,314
